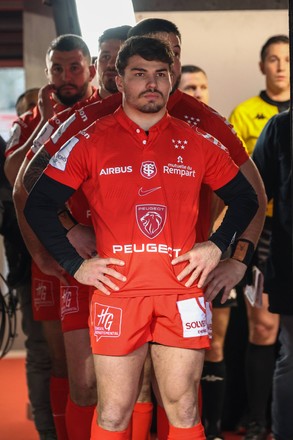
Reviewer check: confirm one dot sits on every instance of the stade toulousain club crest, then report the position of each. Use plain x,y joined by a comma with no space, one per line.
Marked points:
151,219
148,169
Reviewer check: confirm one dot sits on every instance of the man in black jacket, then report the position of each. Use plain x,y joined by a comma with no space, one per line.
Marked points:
273,156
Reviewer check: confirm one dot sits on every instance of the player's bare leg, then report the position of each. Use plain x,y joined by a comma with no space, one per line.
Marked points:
118,383
178,372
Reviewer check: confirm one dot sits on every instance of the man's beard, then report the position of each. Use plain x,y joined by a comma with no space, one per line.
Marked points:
70,100
151,108
111,86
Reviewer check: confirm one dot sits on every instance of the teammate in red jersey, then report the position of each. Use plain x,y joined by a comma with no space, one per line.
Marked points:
148,169
69,72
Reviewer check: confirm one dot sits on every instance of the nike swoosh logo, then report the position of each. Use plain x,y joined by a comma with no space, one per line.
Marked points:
145,192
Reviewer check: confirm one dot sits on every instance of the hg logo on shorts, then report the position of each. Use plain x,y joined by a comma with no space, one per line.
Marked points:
107,321
69,300
43,293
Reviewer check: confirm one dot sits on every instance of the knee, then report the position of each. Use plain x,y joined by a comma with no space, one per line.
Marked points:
182,410
83,393
114,416
263,333
185,415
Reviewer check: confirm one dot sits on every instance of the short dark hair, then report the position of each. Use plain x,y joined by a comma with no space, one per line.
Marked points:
148,48
23,95
19,105
272,40
115,33
68,42
190,68
149,26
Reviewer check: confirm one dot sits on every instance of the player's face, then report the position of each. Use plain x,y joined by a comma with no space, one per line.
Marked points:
106,67
146,85
71,74
195,84
276,67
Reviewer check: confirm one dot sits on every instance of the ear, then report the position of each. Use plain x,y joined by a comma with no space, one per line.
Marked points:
92,69
261,66
46,72
119,83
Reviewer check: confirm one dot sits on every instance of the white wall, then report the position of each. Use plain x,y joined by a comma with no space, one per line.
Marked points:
226,44
39,31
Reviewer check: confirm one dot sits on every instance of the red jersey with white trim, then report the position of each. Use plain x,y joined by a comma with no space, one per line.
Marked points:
54,123
81,119
23,127
181,106
143,190
78,120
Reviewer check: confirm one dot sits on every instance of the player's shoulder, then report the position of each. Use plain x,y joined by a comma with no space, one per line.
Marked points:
193,106
100,127
195,133
99,108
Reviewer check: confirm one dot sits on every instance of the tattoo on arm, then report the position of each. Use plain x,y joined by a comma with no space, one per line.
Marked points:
35,169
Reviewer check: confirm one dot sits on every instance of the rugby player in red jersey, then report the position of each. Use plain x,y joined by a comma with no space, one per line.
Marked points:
195,114
69,72
141,171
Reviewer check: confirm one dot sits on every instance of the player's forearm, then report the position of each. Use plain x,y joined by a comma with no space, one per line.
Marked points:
35,168
41,212
32,243
241,199
253,231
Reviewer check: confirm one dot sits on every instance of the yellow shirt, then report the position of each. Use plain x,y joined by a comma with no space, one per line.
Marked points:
249,119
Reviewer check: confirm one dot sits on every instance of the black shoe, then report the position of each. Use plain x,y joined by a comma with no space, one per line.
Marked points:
256,431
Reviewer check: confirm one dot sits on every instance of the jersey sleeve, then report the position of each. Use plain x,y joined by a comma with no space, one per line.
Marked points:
222,129
219,166
21,130
80,120
69,164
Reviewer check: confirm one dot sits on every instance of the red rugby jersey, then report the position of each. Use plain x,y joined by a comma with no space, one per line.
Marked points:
23,127
143,192
54,123
180,105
